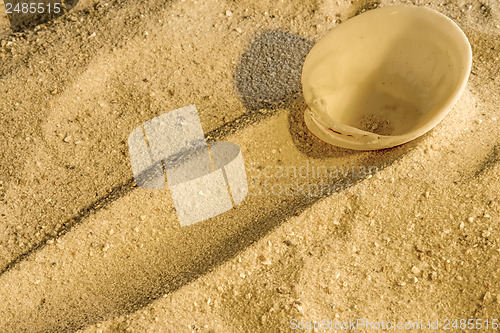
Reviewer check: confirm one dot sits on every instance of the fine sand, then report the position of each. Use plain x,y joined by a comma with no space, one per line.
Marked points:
413,235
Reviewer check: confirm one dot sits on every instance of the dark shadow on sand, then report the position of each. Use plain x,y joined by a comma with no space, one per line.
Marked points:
268,74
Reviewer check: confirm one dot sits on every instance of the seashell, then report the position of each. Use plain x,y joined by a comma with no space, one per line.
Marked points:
384,77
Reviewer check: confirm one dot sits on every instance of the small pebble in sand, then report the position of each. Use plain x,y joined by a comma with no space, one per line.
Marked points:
265,261
471,219
142,217
415,270
262,257
229,13
67,139
461,226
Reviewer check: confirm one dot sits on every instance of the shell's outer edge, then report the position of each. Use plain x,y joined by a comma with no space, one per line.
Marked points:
387,141
345,141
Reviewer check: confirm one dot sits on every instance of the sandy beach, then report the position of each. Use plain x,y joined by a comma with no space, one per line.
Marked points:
412,237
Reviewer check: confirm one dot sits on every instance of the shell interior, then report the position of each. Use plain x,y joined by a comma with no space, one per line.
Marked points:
384,77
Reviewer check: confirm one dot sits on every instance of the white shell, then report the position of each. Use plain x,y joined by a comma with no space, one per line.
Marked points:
384,77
